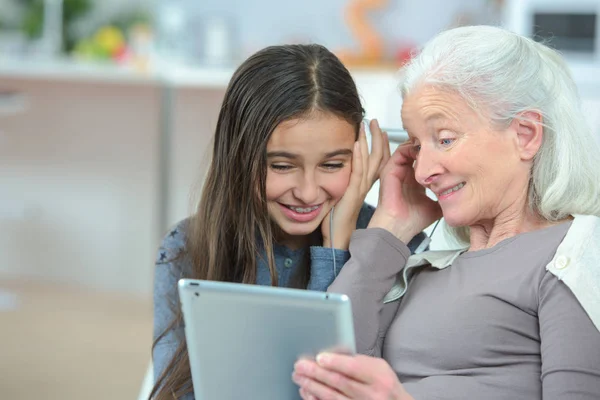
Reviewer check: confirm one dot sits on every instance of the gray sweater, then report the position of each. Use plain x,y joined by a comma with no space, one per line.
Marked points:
494,325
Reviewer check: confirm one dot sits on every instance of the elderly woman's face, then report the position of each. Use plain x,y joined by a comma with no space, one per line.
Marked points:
475,171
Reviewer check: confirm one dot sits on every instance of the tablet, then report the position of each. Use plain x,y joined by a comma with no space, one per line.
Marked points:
243,340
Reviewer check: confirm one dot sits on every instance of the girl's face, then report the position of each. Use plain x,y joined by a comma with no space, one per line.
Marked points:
308,170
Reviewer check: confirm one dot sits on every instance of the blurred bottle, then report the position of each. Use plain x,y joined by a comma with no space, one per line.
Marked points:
51,42
141,42
216,41
173,38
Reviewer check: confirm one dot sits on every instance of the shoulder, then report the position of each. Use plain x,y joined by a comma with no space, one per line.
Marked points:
583,233
576,262
364,216
173,243
172,264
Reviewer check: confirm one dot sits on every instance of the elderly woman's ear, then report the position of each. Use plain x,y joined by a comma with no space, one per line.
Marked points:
529,130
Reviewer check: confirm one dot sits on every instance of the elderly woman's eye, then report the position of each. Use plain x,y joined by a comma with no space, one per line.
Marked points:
414,150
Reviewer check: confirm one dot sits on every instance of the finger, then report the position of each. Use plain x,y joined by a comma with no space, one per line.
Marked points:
313,390
401,168
386,152
352,367
397,159
377,150
357,166
307,396
331,379
364,149
410,178
406,159
404,154
410,150
325,227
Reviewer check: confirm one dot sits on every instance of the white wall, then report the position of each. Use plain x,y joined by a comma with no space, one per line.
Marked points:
259,23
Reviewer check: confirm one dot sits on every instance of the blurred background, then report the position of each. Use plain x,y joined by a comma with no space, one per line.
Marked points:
106,114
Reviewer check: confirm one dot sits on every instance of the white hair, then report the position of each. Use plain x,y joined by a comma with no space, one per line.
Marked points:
506,74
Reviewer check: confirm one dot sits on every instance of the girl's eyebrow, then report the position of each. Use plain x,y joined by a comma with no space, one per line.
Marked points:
339,152
283,154
292,156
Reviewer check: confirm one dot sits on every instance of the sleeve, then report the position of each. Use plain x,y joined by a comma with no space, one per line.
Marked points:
171,265
322,266
165,311
377,257
570,345
322,271
365,215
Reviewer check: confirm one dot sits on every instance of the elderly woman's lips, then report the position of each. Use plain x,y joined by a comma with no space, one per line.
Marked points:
451,190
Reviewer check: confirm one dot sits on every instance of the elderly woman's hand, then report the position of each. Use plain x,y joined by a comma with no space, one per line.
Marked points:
404,209
344,377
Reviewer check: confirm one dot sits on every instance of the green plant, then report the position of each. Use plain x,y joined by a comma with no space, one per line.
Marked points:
33,18
126,20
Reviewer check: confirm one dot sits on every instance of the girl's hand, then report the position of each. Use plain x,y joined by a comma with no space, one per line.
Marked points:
365,171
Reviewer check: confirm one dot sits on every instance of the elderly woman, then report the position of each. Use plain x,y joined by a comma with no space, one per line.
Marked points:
497,134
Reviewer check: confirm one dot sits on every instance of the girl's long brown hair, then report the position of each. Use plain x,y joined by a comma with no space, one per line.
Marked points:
231,228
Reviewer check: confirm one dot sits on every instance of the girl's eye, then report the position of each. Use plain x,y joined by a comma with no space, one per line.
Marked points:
446,142
333,166
281,167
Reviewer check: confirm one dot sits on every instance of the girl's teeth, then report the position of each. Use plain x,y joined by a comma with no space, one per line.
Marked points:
303,210
454,189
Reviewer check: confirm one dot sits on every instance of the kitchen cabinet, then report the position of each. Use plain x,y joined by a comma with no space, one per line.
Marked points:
78,186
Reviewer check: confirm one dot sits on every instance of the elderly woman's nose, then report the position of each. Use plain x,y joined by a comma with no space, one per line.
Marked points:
427,168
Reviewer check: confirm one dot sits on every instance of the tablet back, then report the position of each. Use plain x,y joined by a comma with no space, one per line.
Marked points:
243,340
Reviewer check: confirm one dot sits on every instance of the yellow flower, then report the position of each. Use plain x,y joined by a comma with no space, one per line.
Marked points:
109,38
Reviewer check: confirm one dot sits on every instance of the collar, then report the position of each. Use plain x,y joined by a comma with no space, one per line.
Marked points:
439,259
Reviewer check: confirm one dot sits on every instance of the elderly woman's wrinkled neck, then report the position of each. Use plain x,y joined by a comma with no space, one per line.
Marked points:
488,233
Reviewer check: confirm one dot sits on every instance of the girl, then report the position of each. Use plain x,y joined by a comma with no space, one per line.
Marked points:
289,146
